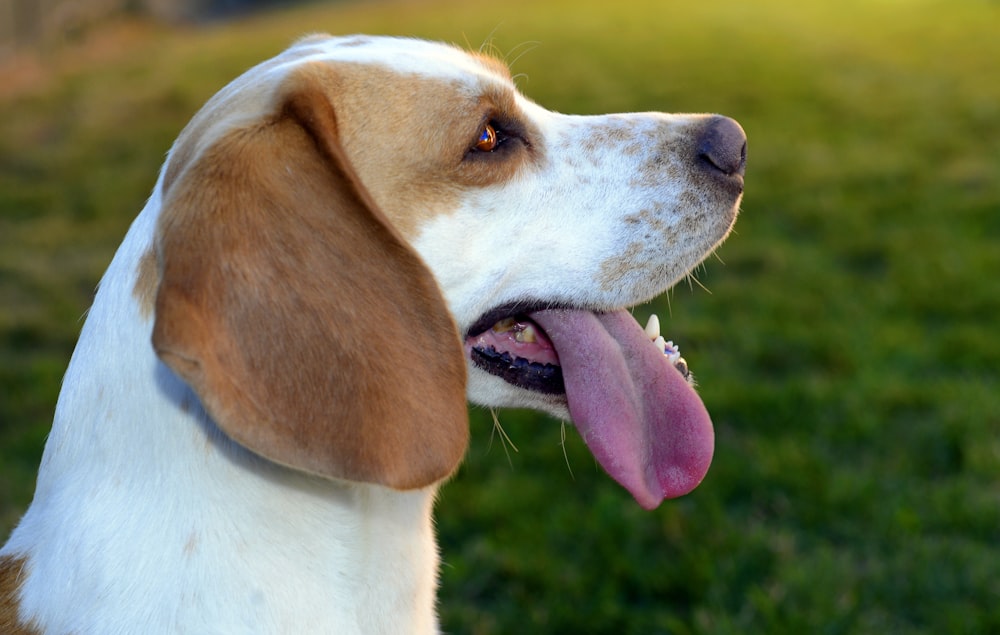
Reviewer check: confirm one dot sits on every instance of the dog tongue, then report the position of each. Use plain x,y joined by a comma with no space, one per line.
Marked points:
643,422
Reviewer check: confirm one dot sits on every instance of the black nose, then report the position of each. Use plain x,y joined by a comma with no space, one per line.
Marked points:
723,146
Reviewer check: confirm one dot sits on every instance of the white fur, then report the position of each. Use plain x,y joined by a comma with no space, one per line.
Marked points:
148,519
566,221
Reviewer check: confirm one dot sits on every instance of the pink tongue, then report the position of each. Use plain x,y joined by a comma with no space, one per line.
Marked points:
644,423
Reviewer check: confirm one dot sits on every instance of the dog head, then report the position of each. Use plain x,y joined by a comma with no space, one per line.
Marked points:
361,231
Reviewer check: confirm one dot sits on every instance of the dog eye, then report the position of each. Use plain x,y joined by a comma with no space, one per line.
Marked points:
488,140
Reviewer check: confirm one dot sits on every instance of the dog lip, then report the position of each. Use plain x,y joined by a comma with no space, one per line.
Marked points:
519,371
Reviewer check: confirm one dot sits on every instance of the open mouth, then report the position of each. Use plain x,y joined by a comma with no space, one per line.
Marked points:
628,391
517,350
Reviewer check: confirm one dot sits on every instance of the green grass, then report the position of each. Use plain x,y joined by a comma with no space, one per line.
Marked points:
847,349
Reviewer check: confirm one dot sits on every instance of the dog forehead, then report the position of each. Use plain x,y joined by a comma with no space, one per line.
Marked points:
404,55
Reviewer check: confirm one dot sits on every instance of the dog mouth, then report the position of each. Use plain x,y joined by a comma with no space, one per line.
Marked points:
628,391
518,351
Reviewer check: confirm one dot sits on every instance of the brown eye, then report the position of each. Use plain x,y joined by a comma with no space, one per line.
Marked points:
487,140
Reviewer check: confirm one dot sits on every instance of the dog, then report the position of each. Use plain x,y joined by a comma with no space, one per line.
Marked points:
343,246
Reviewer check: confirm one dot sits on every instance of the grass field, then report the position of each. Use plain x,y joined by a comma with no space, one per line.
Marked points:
847,343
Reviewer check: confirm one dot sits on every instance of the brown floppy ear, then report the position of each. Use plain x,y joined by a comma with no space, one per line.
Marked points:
310,330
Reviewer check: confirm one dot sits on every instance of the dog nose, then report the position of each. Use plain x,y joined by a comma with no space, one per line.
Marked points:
723,146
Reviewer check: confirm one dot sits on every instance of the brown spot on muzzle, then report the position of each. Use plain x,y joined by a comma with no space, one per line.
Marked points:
692,169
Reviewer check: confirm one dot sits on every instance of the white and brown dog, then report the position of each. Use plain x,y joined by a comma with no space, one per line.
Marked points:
343,245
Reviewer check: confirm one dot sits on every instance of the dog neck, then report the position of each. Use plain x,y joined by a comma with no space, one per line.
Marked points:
163,524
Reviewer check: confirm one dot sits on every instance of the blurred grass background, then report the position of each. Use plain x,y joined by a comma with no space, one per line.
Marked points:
847,345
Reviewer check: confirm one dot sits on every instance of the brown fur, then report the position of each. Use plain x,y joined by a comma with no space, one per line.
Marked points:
285,292
408,136
311,331
11,578
245,99
405,136
146,279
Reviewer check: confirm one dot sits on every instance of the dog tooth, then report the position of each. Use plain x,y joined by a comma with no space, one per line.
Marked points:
653,327
504,325
660,344
673,354
671,350
525,334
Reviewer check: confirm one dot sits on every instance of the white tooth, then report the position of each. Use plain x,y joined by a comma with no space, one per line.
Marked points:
526,334
653,327
504,325
672,352
660,343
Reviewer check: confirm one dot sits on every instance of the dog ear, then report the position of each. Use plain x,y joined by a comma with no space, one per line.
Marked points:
311,331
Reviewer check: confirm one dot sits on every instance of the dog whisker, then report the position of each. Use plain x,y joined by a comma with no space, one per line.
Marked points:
562,444
521,50
692,279
489,47
505,439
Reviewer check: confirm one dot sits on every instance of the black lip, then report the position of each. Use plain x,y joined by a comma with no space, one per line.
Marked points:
543,378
